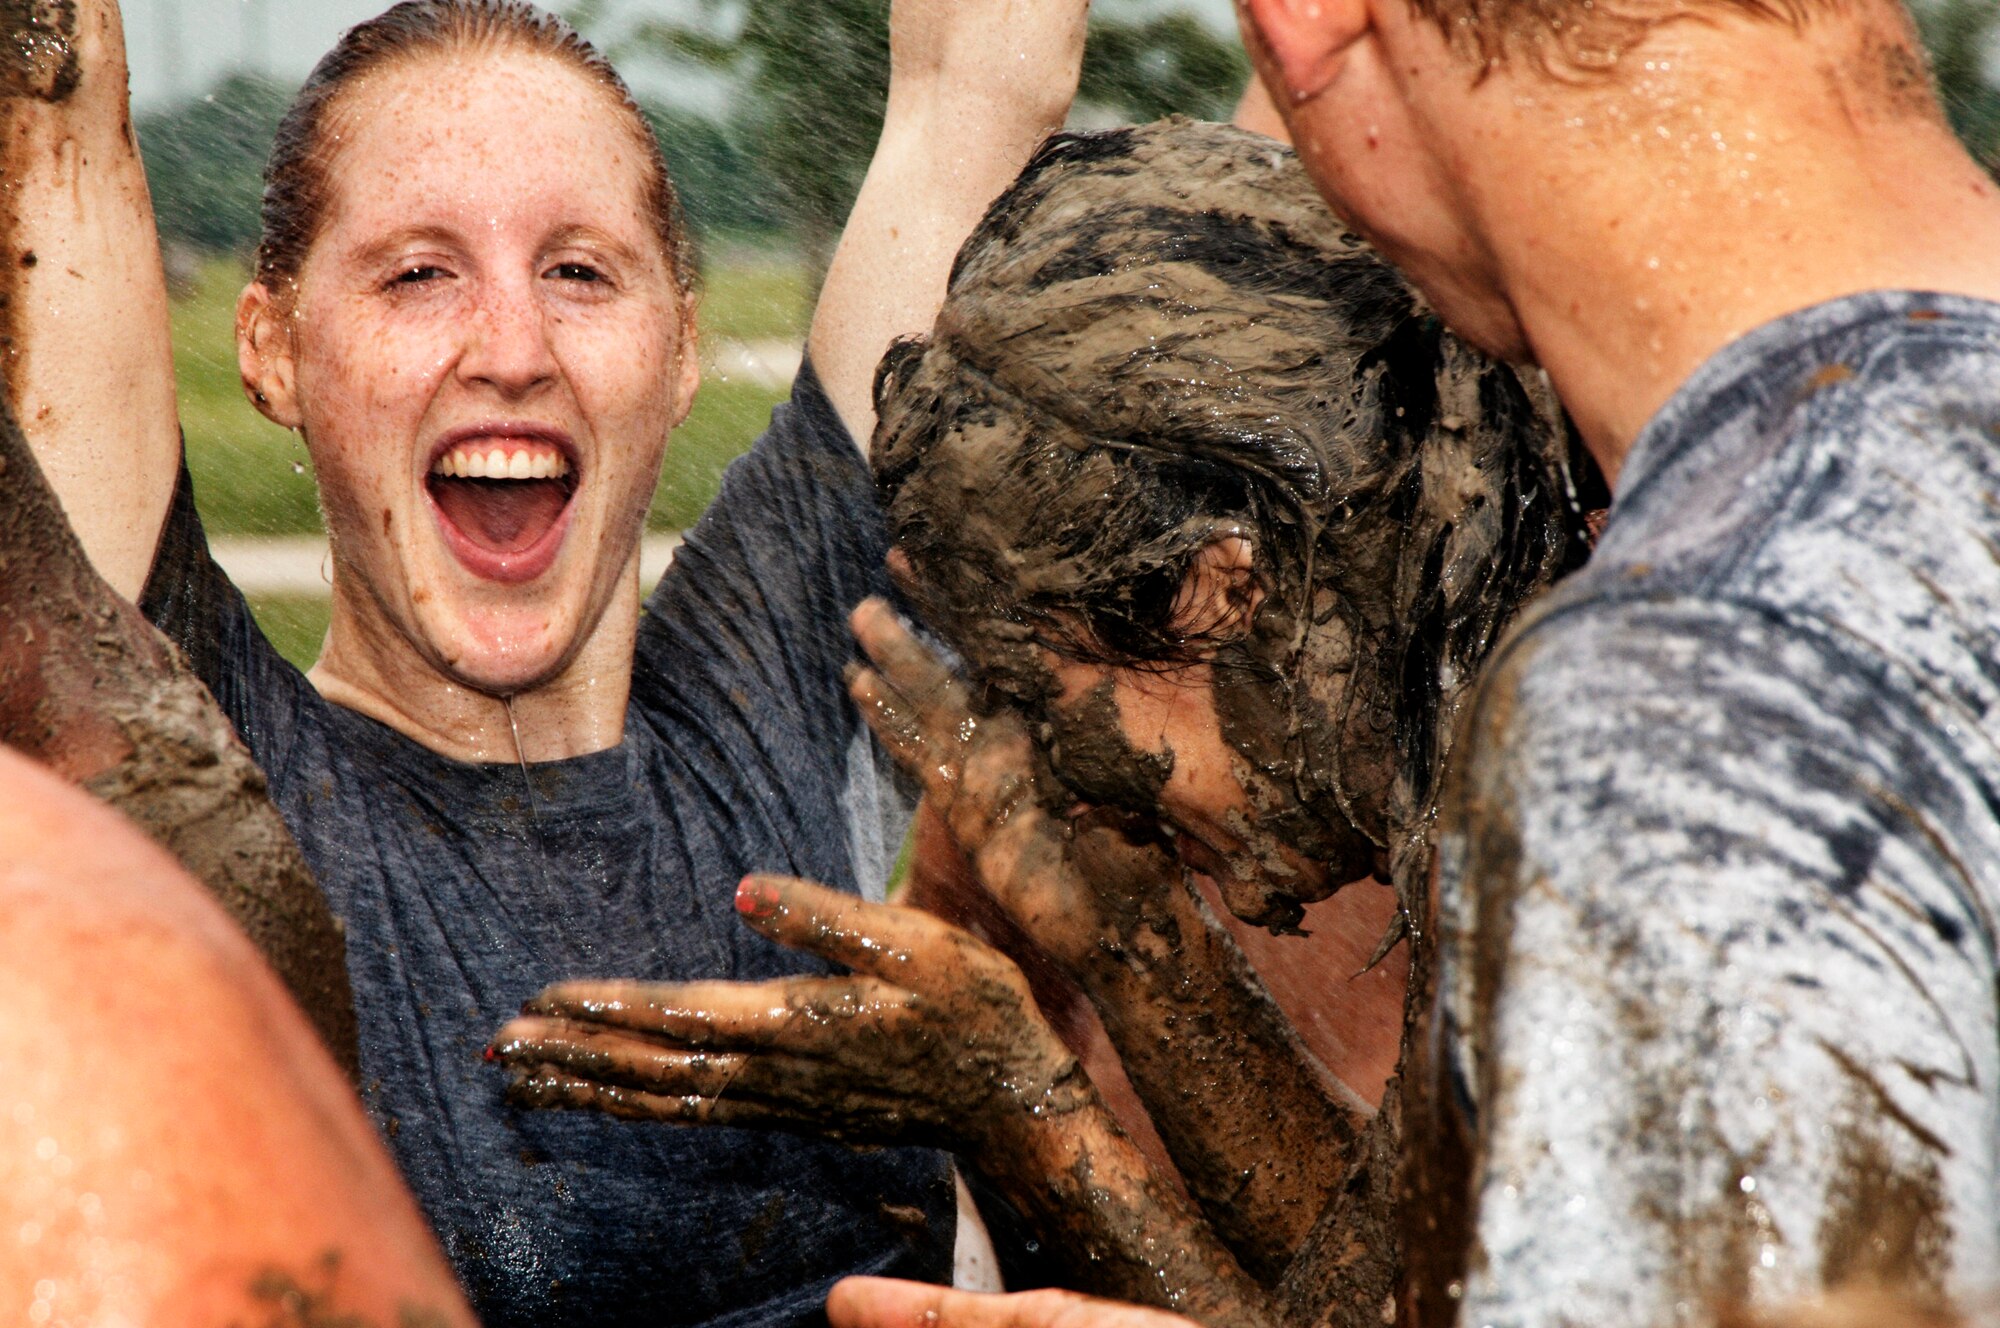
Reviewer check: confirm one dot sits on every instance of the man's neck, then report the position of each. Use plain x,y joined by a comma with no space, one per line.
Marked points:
1705,193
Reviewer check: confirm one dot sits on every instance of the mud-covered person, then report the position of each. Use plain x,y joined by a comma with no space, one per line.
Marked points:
474,300
1717,884
1222,524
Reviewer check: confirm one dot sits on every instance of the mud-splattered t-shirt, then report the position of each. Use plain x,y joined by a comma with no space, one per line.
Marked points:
1720,874
465,888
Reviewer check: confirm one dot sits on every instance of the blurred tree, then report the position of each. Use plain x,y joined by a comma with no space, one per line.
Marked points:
722,190
205,162
817,72
1961,35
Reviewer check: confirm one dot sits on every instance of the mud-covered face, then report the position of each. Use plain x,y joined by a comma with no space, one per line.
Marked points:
1207,761
489,350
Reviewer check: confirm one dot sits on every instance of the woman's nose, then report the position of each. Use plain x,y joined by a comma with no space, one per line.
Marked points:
508,344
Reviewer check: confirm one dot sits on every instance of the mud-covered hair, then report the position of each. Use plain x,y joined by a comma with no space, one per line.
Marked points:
297,185
1159,336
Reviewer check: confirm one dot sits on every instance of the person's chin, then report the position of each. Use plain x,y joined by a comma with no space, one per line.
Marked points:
502,650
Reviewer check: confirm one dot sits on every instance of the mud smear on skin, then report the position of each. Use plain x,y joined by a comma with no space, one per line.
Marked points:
38,65
86,685
90,689
1160,338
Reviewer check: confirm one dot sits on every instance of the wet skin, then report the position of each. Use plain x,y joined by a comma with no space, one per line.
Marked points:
489,277
1225,1078
177,1149
936,1041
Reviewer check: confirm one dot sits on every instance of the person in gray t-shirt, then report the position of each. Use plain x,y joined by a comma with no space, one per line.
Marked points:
1719,886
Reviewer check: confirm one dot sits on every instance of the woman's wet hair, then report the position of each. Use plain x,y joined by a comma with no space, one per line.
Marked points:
1159,337
296,181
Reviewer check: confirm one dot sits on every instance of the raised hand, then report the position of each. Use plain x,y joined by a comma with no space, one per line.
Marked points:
935,1040
1079,881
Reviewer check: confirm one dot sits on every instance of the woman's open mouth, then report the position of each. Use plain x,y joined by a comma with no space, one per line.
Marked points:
502,499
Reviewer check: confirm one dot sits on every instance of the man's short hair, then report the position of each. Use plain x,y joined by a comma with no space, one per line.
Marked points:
1579,36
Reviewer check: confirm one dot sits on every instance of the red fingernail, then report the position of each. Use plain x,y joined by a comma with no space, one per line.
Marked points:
756,899
492,1055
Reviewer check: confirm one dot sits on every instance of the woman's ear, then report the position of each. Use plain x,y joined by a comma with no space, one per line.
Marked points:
264,356
1220,594
688,349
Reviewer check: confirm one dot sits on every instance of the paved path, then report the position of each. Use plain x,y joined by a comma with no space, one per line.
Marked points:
300,565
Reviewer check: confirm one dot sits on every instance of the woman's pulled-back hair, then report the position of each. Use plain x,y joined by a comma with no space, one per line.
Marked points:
1159,337
296,182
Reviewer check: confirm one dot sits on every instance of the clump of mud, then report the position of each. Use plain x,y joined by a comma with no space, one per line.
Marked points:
1159,337
38,53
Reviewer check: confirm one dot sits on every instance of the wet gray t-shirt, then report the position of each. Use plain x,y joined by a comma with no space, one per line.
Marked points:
1719,876
466,888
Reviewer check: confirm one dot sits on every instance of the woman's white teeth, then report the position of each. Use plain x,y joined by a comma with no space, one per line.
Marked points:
497,464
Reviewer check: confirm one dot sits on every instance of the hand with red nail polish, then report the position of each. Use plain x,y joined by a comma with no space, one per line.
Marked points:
934,1039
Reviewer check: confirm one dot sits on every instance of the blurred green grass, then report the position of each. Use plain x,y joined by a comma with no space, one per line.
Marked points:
295,624
253,478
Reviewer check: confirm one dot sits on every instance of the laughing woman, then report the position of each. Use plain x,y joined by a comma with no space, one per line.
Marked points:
473,300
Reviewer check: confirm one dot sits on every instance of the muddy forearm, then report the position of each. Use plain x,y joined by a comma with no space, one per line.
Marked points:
83,300
1118,1228
88,688
1260,1134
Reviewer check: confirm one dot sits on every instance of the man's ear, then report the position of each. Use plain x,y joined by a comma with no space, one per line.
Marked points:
264,356
1300,43
1220,594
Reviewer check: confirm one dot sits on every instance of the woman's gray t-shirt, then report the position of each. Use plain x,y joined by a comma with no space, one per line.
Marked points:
1719,874
465,888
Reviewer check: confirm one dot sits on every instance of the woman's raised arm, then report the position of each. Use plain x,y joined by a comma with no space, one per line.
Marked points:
974,86
83,299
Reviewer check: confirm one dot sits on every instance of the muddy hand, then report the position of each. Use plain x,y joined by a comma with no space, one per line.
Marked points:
1075,879
934,1040
880,1302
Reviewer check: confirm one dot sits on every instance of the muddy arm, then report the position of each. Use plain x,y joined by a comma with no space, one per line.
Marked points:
935,1040
83,301
1261,1136
974,86
90,689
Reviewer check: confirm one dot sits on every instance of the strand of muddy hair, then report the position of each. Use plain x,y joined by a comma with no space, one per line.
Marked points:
90,689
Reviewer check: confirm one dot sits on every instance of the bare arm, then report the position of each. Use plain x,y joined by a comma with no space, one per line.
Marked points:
974,86
88,364
176,1151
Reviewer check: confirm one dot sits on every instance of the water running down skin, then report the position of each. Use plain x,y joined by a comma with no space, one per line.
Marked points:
213,1167
492,168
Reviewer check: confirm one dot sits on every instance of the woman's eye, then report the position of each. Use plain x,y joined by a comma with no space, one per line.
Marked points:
417,275
575,272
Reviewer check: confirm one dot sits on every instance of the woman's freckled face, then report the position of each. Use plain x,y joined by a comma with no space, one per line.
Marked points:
489,275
